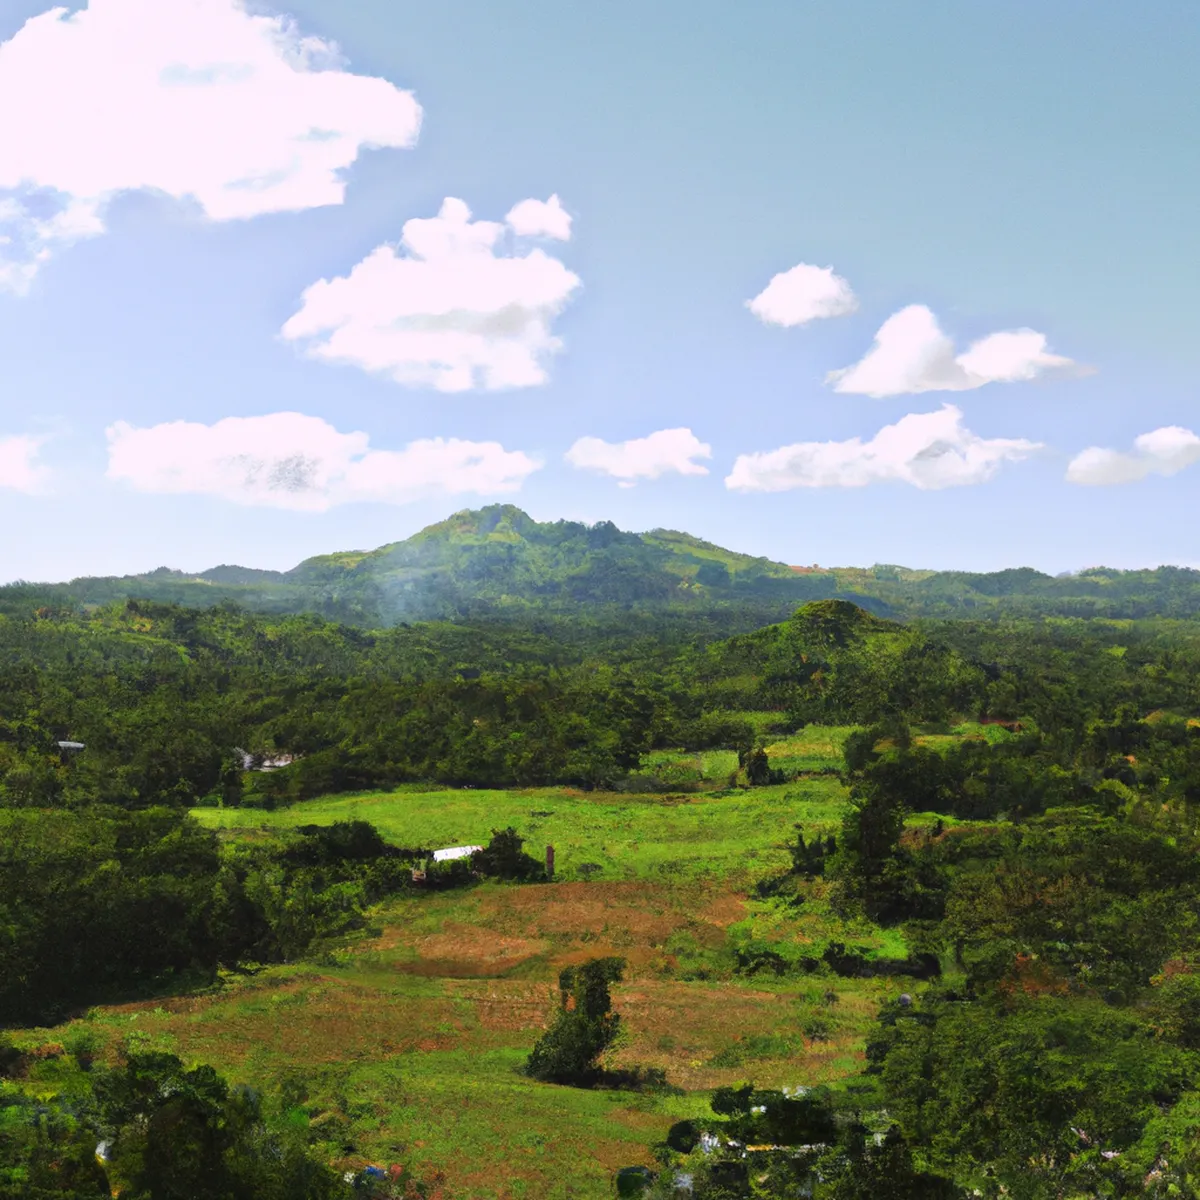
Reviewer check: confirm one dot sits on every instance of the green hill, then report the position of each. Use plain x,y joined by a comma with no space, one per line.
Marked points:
494,561
499,562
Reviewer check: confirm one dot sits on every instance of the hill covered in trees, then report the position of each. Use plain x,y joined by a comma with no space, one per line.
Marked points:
495,561
499,561
169,700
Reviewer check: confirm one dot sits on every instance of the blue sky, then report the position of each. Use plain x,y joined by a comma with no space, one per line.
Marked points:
1015,167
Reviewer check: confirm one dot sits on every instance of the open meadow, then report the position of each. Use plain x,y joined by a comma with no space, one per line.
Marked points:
407,1045
404,1042
736,835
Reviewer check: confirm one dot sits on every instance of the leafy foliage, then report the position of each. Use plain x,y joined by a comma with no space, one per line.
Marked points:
584,1027
155,1130
787,1143
504,857
100,902
1038,863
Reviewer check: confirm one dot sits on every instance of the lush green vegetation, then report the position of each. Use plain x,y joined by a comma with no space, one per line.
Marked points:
839,903
165,1131
675,835
584,1028
499,561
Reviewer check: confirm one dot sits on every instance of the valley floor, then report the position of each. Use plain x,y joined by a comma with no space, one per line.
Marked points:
404,1044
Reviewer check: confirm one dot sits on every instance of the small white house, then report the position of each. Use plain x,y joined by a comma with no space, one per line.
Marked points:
452,852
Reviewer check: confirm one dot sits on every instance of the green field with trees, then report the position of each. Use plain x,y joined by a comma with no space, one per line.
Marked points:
897,898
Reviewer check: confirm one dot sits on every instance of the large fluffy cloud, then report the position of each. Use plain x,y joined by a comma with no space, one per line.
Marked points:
927,450
668,450
452,311
911,354
197,99
1164,451
288,460
19,465
805,293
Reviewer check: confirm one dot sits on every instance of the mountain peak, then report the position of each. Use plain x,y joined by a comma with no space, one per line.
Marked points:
480,522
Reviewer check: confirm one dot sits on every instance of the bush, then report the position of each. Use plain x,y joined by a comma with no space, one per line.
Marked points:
683,1137
586,1026
504,857
633,1181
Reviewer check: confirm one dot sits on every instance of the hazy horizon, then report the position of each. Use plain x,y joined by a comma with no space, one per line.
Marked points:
190,569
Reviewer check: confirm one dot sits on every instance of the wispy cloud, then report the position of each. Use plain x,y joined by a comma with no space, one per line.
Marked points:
805,293
669,451
911,354
1164,451
289,460
540,218
20,468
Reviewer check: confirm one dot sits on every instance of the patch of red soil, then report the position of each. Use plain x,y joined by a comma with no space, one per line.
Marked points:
466,951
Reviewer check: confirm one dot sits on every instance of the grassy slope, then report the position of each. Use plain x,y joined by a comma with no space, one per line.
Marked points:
730,837
410,1038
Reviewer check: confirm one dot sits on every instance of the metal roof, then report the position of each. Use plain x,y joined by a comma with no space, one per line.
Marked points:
454,852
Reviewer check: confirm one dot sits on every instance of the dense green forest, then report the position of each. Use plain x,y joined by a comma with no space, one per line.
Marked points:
1038,875
172,703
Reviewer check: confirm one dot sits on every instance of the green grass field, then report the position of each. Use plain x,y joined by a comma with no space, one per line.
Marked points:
732,836
408,1043
407,1039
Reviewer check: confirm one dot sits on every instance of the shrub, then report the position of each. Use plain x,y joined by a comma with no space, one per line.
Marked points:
585,1026
504,857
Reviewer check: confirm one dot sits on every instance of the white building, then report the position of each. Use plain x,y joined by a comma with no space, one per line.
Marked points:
452,852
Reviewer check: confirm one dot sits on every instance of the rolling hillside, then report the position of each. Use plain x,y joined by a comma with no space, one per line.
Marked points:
499,562
494,561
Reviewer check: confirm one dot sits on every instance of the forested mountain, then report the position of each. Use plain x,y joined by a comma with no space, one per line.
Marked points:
498,561
494,561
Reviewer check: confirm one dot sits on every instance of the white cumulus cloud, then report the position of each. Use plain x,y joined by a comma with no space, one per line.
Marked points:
927,450
448,309
198,99
19,465
540,218
805,293
668,450
911,354
1164,451
289,460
